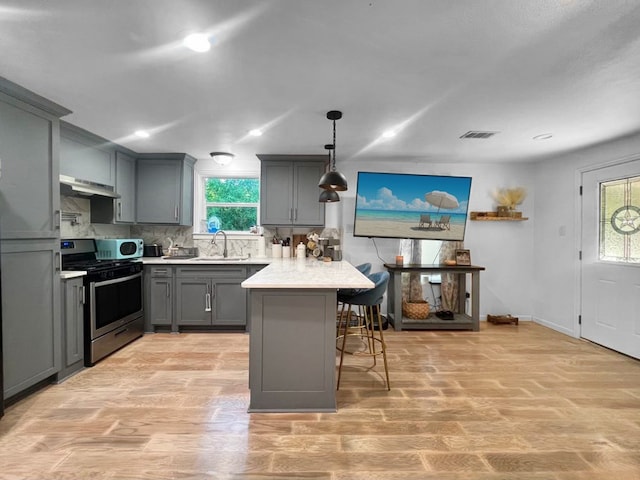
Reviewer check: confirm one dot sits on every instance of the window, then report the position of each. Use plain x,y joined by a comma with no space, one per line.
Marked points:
620,220
230,204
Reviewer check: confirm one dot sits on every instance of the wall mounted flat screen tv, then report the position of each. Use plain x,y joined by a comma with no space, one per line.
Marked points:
401,205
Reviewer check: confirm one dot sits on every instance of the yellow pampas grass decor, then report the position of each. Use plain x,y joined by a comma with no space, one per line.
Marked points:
508,199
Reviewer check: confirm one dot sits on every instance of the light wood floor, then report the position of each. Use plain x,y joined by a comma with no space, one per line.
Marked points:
507,403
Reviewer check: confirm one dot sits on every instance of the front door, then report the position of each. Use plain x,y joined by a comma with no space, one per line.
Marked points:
611,257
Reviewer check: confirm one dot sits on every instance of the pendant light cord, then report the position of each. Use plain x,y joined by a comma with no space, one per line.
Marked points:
334,146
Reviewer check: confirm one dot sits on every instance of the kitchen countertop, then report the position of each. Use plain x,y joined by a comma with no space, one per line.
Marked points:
67,274
291,273
206,261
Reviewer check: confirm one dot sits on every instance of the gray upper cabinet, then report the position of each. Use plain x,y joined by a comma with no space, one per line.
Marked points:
164,189
29,192
289,190
86,156
126,188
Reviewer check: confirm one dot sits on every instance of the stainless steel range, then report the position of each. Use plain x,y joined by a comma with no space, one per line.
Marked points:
113,309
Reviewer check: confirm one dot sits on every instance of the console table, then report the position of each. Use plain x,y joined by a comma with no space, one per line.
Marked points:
461,320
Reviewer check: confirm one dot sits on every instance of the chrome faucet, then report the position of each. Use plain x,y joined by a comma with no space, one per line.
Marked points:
225,253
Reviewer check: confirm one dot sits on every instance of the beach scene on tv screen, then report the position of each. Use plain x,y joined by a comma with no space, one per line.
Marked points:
411,206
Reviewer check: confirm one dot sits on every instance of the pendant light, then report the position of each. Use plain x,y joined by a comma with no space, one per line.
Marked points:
333,180
329,196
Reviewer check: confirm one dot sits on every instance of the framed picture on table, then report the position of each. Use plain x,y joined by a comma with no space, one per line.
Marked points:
463,257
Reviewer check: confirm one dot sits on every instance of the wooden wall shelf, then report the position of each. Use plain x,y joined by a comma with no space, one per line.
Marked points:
493,217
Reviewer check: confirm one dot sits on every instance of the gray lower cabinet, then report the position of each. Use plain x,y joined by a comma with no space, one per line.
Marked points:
159,293
196,296
289,190
211,296
31,330
164,189
73,299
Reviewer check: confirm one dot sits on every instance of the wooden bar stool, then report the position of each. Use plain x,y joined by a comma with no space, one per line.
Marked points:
369,330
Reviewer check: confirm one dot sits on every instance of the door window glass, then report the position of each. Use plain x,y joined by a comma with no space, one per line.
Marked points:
620,220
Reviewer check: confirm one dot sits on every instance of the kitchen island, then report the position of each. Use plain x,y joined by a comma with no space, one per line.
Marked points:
293,333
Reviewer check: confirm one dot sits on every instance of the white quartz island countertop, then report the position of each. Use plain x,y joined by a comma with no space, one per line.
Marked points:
293,273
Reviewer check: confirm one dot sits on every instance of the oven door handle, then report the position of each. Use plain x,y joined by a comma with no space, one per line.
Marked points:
117,280
207,300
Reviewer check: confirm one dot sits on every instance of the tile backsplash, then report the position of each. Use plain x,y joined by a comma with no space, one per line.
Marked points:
82,227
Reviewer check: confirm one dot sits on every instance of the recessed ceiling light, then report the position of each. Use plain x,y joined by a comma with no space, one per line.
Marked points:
141,133
389,134
255,132
543,136
198,42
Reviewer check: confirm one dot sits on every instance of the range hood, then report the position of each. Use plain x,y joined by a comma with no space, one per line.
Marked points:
85,188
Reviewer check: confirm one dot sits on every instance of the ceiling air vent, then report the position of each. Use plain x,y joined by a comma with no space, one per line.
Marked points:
478,134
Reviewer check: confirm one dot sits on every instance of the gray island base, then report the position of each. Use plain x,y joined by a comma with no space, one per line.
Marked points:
293,333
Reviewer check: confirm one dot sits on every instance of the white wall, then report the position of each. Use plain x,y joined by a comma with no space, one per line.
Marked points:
556,272
503,248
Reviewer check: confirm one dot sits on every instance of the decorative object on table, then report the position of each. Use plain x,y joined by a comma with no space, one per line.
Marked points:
333,180
415,309
463,257
501,319
449,285
508,199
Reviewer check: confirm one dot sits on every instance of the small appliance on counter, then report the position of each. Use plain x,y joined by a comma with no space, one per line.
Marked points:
330,248
119,248
152,251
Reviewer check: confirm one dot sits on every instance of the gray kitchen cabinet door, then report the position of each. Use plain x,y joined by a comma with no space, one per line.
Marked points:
307,209
276,193
289,190
29,188
73,298
164,189
229,303
125,211
160,305
193,301
86,156
31,336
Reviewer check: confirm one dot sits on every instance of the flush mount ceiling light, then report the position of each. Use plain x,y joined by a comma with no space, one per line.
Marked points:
198,42
222,158
256,132
333,180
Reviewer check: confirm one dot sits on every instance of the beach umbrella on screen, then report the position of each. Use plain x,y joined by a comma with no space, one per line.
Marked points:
442,200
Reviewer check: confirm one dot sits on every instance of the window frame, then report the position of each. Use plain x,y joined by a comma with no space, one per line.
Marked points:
200,203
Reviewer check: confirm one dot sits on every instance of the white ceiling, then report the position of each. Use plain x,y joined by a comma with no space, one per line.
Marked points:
432,69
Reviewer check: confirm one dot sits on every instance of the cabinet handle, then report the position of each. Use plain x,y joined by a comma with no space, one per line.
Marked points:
207,301
168,292
295,214
82,295
57,219
291,214
176,212
58,261
120,210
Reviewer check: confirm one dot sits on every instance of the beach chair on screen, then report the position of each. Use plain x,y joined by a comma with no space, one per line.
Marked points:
445,222
424,220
